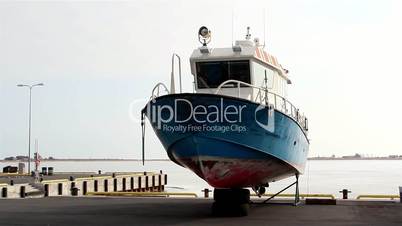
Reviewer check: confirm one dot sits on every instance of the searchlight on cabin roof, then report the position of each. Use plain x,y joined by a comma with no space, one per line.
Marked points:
204,37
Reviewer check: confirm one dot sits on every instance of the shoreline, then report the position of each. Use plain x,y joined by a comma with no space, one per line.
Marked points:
352,158
88,160
159,160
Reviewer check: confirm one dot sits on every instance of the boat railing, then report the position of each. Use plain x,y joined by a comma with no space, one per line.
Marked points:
265,97
156,91
172,74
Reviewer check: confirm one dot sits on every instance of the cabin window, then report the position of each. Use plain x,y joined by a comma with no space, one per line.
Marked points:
213,73
261,72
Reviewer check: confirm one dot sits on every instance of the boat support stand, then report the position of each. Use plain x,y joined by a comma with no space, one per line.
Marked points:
297,193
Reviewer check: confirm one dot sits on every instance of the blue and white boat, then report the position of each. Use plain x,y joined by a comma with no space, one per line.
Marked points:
237,129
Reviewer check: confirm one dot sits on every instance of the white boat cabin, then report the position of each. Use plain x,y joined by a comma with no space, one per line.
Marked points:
247,62
244,70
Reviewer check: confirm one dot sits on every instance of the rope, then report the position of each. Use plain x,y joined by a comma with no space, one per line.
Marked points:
143,137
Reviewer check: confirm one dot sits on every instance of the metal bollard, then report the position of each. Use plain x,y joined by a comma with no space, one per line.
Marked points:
400,194
84,187
95,185
124,183
160,182
115,184
99,171
22,192
11,182
46,188
345,193
206,192
59,189
4,192
74,191
105,185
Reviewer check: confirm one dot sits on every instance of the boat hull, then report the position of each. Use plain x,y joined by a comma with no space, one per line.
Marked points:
251,148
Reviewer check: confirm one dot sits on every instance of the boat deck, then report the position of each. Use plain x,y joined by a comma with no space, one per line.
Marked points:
186,211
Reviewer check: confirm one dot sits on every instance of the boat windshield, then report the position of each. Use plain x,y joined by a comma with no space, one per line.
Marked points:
213,73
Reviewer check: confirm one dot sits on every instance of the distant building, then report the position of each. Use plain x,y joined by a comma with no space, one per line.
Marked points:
9,158
356,156
21,157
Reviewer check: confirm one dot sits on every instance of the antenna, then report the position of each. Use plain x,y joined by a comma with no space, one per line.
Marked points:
248,35
232,25
264,26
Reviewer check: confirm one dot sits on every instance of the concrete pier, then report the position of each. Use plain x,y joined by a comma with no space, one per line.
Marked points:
78,184
187,211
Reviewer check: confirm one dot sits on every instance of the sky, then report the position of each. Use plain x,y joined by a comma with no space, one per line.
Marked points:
100,60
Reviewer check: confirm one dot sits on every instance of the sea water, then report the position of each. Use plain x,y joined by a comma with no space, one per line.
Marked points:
320,176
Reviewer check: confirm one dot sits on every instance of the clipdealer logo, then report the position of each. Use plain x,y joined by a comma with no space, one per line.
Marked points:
183,116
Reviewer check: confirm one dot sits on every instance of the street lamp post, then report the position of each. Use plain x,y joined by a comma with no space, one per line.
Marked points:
29,126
